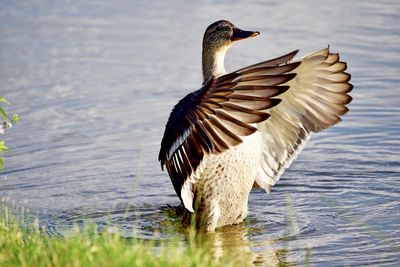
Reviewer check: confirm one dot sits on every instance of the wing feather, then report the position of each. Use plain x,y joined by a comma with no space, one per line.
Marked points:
315,101
311,96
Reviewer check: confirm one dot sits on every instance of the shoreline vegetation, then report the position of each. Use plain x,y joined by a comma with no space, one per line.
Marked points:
5,122
26,246
24,242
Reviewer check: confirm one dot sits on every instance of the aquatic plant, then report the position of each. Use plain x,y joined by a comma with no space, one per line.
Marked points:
7,123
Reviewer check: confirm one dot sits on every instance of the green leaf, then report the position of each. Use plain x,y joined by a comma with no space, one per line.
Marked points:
3,100
1,163
3,147
3,114
15,118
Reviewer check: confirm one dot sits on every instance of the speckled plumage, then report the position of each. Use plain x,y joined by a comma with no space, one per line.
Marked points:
225,182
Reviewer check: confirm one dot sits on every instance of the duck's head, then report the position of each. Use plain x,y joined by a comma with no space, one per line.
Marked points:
218,37
223,33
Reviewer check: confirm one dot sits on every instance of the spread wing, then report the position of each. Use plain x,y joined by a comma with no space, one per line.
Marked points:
213,118
315,101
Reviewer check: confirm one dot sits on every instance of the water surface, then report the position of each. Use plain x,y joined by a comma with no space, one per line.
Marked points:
94,83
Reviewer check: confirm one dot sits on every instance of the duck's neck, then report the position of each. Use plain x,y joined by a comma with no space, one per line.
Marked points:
213,62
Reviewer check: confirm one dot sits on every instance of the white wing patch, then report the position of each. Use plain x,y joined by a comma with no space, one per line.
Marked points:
179,142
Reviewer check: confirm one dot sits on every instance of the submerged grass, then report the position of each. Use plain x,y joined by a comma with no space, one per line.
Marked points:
21,246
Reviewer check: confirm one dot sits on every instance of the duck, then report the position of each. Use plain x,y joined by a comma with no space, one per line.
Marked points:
242,129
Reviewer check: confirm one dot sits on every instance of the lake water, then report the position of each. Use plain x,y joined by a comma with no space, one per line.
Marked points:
94,82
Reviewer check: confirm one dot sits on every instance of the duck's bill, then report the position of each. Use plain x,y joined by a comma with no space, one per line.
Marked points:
239,34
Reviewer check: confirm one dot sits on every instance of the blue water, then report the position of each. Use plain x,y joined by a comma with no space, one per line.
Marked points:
94,83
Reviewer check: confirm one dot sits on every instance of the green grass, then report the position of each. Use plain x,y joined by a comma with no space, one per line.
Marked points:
29,247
